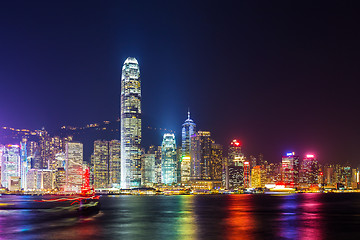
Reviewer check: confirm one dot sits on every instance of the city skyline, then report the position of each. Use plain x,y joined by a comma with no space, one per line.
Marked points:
291,88
179,119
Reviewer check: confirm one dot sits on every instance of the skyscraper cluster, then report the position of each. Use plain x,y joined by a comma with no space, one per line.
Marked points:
53,163
47,165
199,160
106,164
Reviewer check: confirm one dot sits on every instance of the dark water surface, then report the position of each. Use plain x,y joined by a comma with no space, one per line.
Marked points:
297,216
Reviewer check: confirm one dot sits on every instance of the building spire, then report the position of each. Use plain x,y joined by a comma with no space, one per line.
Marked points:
188,113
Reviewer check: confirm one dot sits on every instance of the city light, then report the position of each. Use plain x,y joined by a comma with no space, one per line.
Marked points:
235,142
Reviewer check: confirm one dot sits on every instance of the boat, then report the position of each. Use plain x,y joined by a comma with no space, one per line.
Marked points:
80,203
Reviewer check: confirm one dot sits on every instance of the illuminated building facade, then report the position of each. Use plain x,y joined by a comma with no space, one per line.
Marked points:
40,180
355,178
290,170
100,160
347,176
247,174
148,169
188,130
234,177
44,152
234,167
24,163
60,160
115,163
234,154
216,163
31,180
168,159
329,175
157,167
310,171
85,188
200,154
14,183
2,149
74,161
47,179
10,164
258,177
130,124
60,179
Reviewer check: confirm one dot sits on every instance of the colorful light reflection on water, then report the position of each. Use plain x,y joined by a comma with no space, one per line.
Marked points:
301,217
240,222
297,216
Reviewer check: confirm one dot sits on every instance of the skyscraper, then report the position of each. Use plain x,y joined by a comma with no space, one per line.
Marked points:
24,163
100,160
216,161
10,164
130,121
247,174
235,155
290,170
310,170
148,169
74,161
157,152
257,177
201,156
168,159
188,130
115,163
234,167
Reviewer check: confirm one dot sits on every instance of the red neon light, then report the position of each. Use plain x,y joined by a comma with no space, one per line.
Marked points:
235,142
74,199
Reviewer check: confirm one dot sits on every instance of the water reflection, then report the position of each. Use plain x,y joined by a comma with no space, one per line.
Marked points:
149,217
298,216
240,222
311,217
301,217
186,227
288,220
21,217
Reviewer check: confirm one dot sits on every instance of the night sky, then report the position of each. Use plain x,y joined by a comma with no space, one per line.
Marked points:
277,75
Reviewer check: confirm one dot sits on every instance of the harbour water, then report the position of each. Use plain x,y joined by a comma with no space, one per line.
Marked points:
297,216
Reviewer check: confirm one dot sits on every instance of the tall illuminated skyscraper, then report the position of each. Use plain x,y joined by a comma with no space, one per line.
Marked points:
130,121
257,177
216,161
115,163
24,163
168,159
10,164
148,169
74,161
100,160
235,170
201,156
310,170
188,130
290,169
